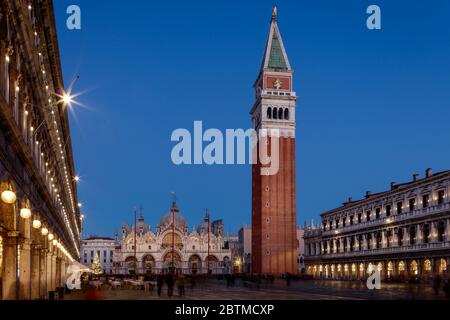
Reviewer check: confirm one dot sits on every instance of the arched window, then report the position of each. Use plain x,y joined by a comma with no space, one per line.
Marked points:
390,268
441,231
379,238
442,265
16,102
426,233
413,268
25,122
286,114
6,77
412,235
427,266
275,113
5,35
400,236
380,266
269,113
280,114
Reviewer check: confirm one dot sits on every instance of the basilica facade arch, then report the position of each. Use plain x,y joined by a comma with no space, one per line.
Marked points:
171,247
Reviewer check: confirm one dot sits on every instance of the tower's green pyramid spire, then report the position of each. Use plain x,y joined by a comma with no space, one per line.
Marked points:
275,56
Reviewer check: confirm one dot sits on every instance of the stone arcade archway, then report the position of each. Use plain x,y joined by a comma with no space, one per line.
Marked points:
427,268
8,272
362,273
148,264
390,270
194,264
211,264
172,261
172,238
131,265
442,266
401,270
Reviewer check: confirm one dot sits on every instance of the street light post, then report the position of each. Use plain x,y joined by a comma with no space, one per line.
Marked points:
135,242
209,250
172,213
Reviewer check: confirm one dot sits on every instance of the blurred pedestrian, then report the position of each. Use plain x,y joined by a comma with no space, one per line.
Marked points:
288,279
170,284
180,284
446,289
159,283
93,294
437,284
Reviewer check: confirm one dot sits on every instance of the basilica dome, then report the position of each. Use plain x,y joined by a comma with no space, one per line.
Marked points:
166,220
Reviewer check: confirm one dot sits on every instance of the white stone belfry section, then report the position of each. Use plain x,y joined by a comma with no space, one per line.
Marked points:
273,88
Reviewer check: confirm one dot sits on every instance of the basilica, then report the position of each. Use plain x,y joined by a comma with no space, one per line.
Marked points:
171,247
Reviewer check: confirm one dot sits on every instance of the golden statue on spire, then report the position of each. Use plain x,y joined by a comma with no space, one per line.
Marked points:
274,13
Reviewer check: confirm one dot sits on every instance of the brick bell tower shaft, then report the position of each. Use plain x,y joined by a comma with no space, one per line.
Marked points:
274,241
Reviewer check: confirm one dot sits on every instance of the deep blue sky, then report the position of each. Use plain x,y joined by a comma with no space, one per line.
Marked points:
373,105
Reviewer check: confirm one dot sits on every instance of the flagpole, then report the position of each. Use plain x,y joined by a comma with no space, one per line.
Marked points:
135,226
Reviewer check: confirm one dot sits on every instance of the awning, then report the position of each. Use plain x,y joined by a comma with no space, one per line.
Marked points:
74,272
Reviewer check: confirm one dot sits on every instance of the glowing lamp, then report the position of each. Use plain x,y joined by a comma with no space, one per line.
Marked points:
44,231
67,99
36,223
55,242
8,196
51,236
25,213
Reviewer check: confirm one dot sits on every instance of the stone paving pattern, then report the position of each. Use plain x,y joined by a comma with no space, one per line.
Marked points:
298,290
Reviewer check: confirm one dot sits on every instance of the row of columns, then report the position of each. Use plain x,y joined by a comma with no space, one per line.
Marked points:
326,245
340,223
30,270
218,267
390,269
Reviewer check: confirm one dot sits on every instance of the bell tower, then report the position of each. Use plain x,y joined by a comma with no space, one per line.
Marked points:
274,241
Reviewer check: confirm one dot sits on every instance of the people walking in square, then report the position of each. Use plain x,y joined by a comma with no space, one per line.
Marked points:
288,279
170,284
159,283
228,279
437,284
180,284
447,289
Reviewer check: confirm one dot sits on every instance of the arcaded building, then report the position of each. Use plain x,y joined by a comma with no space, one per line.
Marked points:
404,232
40,220
171,247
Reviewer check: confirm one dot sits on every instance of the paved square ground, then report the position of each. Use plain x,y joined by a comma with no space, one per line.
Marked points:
298,290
